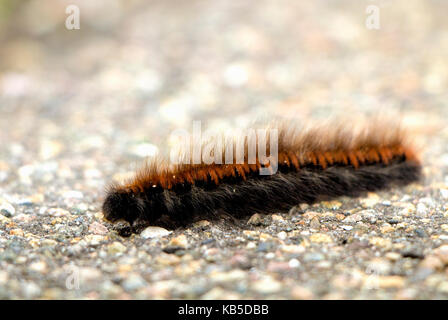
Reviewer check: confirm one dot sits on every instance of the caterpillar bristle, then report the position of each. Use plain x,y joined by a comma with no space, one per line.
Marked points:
313,163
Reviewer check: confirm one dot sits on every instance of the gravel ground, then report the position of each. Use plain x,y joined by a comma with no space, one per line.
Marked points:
81,108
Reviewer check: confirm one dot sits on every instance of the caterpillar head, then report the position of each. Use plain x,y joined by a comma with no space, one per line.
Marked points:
122,205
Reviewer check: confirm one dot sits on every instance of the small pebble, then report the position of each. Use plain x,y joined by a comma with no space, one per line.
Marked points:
353,218
97,228
218,293
166,259
332,204
94,239
134,282
294,263
380,242
315,224
320,237
393,256
179,241
30,290
202,224
267,285
420,233
4,219
154,232
6,208
387,282
49,242
386,228
208,241
370,201
294,249
16,232
38,266
282,235
277,218
231,276
264,247
422,211
277,266
251,245
432,262
313,257
116,248
255,220
442,253
301,293
443,287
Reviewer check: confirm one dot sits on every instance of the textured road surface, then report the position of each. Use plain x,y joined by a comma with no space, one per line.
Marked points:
81,108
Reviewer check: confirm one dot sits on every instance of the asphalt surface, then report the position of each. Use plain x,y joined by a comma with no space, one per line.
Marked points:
82,108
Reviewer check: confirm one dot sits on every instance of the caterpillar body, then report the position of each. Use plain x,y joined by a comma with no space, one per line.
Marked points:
314,163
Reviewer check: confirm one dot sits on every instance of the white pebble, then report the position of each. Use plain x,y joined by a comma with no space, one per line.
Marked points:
154,232
6,208
282,235
421,209
270,255
294,263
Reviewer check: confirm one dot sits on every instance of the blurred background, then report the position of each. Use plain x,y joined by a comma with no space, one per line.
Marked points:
136,70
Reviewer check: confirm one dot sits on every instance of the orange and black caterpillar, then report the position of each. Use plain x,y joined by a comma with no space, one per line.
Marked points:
314,163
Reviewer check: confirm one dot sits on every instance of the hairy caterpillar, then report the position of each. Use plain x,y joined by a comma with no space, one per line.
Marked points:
314,163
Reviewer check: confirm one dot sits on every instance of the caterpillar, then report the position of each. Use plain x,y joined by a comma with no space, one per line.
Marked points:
313,163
